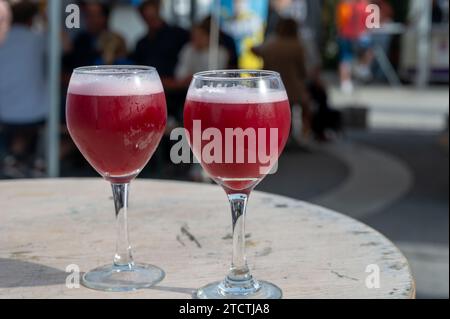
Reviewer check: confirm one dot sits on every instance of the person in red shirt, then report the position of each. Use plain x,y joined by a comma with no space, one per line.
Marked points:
353,39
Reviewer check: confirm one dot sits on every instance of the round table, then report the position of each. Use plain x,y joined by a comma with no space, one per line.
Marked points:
185,228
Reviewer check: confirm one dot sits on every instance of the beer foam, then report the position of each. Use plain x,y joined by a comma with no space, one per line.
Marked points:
102,85
236,95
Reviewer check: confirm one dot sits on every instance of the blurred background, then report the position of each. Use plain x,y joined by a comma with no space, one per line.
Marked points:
370,97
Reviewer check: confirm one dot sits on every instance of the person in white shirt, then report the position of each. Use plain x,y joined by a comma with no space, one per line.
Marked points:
23,86
194,57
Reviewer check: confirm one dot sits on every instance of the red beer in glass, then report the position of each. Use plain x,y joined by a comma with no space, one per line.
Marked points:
245,111
237,123
116,115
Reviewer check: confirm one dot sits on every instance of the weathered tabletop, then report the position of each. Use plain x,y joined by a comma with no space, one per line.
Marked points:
309,251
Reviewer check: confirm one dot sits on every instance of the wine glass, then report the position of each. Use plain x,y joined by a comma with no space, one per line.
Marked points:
237,123
116,115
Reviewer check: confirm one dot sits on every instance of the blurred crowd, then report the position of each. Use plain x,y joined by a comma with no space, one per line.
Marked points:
177,54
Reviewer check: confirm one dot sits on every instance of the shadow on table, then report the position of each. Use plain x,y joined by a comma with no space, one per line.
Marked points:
19,273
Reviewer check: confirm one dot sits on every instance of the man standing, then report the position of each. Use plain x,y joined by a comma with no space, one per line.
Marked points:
23,90
86,45
284,53
162,44
160,48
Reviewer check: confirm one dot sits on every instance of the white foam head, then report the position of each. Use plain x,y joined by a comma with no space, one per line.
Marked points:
236,95
114,85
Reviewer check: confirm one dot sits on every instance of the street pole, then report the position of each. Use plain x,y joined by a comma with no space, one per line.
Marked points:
54,65
423,43
214,36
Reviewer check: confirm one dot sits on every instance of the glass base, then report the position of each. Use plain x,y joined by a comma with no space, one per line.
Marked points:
217,290
122,278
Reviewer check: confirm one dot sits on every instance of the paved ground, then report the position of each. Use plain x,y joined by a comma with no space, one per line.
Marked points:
418,222
401,108
422,214
305,174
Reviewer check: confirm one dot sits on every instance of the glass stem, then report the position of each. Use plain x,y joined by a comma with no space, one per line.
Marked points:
123,256
239,279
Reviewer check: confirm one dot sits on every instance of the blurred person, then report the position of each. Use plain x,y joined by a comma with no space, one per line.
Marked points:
194,56
325,119
113,50
86,47
5,19
162,44
284,53
322,118
23,92
160,48
353,40
437,14
95,44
